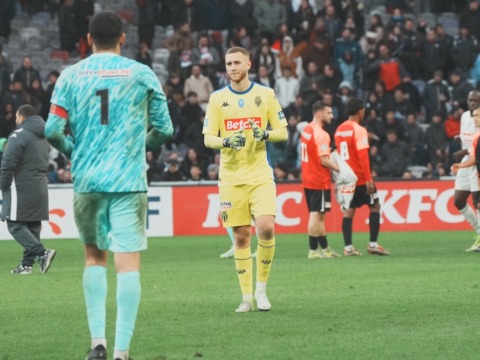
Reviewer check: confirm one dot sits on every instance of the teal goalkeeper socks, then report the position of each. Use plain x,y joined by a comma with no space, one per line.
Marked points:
95,291
128,300
230,234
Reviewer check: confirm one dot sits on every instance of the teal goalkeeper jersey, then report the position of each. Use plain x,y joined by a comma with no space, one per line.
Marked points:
108,101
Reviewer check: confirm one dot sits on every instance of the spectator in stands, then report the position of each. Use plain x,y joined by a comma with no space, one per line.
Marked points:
411,92
347,43
192,158
192,139
470,18
375,128
266,58
147,16
180,60
241,38
51,81
436,140
39,99
7,13
83,11
26,74
286,87
289,56
415,138
291,156
376,27
465,50
452,130
333,23
369,71
154,172
191,112
268,15
345,91
300,109
460,87
5,60
434,55
303,20
144,55
172,172
318,51
183,33
212,172
188,11
395,156
410,43
263,78
17,95
243,13
175,83
347,68
7,120
369,42
309,84
216,15
402,104
280,171
206,56
436,96
393,121
447,42
66,26
331,79
195,173
199,84
390,69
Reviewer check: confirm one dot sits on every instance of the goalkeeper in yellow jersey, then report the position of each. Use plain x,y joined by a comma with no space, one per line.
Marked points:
236,123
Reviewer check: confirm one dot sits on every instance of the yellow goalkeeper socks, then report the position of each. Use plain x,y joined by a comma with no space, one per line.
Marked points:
265,252
244,264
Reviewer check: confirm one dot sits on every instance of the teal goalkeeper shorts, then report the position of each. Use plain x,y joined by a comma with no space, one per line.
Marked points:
112,221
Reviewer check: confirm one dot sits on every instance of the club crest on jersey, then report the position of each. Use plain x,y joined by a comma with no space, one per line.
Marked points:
258,101
241,103
281,115
224,216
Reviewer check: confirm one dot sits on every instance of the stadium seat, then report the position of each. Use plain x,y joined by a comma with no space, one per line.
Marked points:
27,32
61,55
161,55
417,171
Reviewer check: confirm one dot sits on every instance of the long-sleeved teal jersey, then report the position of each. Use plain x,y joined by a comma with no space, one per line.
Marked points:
108,101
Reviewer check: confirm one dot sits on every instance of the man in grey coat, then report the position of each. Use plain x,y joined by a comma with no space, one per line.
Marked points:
24,185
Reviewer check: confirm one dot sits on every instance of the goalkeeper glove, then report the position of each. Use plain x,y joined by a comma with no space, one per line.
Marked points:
236,141
258,133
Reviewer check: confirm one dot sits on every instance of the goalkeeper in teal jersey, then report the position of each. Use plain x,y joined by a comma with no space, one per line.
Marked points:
108,102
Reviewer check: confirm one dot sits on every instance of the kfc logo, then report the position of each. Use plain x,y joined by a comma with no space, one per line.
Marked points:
241,123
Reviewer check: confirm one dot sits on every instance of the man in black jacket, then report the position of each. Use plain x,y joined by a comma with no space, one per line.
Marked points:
24,185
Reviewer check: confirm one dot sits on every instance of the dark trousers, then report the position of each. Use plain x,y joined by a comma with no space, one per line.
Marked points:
27,234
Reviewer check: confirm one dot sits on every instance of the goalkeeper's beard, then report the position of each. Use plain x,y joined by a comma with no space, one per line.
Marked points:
240,78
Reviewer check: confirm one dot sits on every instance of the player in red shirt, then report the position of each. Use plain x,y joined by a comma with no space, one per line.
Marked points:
316,166
351,140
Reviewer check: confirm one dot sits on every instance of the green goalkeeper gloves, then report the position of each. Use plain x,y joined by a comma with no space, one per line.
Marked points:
258,133
236,141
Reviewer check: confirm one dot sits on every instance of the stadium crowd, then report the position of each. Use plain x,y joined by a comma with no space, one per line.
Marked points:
412,62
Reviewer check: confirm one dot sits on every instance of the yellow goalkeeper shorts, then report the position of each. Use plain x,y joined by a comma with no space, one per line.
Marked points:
239,204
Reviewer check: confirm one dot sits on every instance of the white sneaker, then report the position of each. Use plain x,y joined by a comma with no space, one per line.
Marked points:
262,300
245,306
228,254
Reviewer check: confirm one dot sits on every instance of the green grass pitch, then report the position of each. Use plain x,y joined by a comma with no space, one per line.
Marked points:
418,303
